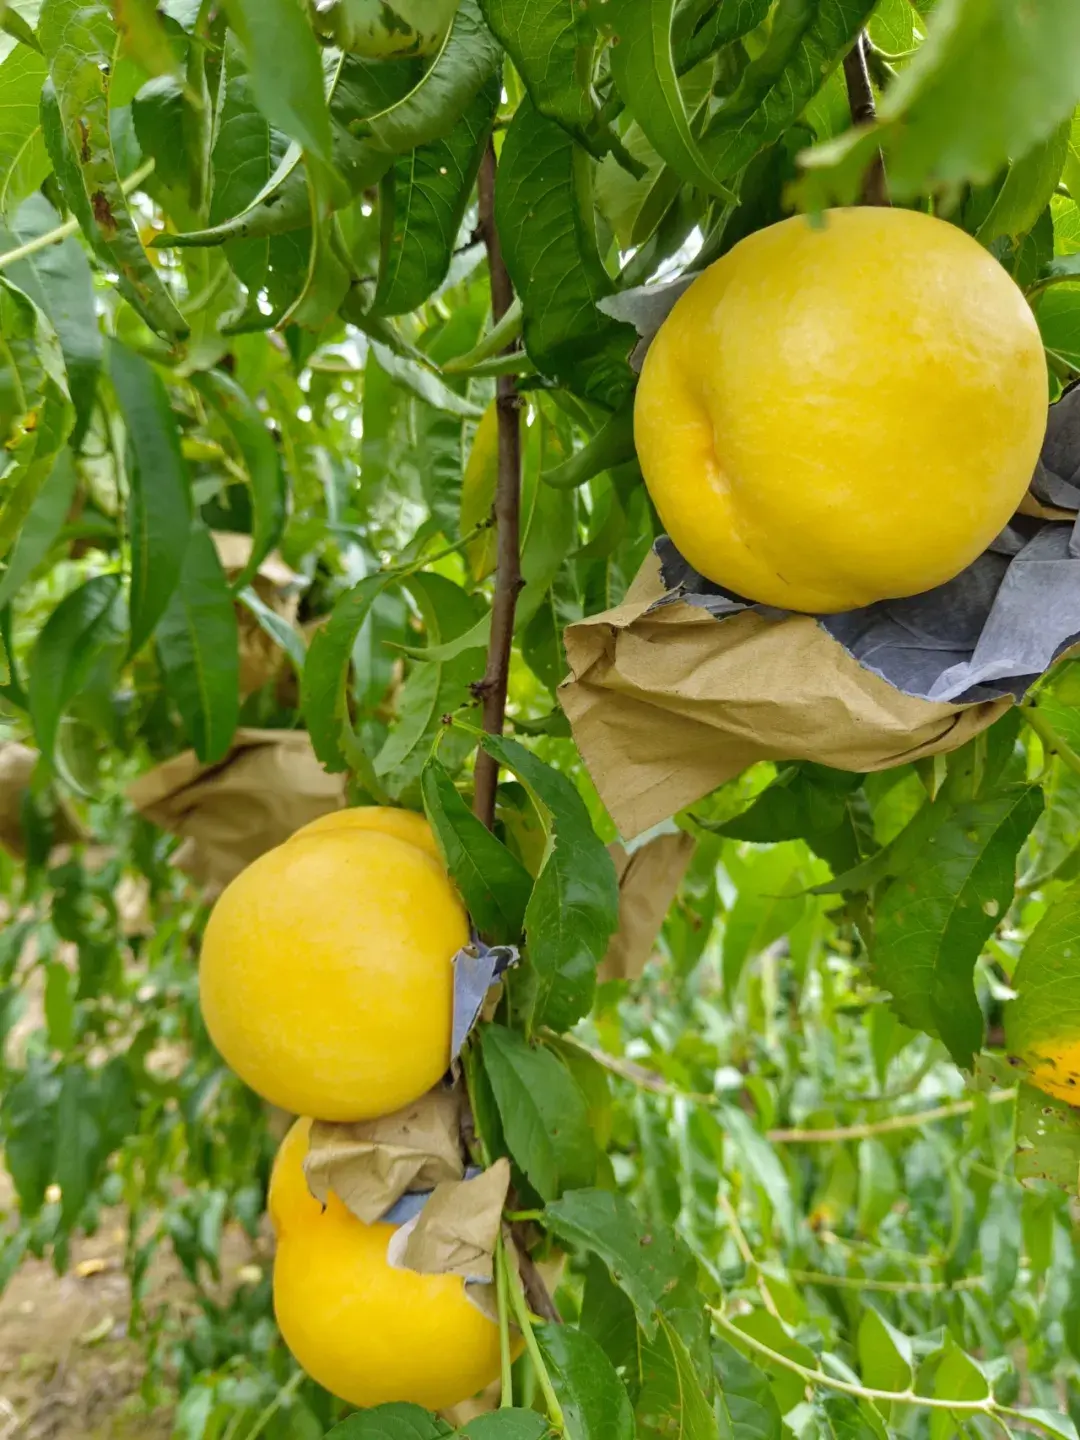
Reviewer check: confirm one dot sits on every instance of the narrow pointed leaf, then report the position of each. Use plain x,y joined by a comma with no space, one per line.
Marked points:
160,507
198,643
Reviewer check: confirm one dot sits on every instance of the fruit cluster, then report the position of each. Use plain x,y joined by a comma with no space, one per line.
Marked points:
326,982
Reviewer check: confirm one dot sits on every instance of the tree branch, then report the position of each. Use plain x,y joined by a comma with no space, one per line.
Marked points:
875,190
491,690
508,582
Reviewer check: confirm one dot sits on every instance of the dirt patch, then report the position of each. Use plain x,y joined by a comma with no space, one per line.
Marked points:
68,1369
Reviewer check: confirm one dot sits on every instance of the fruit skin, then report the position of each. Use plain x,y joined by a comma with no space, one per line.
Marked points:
405,824
326,979
386,29
837,415
368,1332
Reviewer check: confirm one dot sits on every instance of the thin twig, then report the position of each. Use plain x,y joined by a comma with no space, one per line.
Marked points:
502,1283
988,1406
69,227
508,582
885,1127
875,190
524,1321
749,1259
887,1287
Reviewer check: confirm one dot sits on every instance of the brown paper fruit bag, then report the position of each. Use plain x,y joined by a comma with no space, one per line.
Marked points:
268,785
684,685
17,764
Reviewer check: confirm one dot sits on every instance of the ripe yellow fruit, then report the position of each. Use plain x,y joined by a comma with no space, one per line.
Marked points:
326,979
405,824
368,1332
840,414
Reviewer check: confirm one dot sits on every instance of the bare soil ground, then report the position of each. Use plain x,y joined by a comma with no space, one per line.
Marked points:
68,1370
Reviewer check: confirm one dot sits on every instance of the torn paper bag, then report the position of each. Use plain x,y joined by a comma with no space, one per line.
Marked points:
267,786
649,878
371,1164
456,1231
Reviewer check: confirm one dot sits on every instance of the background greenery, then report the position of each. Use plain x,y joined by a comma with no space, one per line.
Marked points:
244,288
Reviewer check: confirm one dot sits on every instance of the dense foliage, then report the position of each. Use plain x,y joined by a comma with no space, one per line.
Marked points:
246,290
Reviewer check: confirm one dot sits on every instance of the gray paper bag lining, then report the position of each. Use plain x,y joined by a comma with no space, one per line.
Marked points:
476,968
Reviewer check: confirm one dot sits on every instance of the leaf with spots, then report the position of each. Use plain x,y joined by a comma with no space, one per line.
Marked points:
36,413
933,919
79,41
649,1263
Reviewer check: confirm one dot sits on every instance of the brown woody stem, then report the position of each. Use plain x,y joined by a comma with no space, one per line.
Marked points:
491,690
875,190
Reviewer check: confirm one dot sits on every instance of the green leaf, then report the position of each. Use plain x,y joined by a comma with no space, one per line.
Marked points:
608,1315
324,691
508,1424
160,508
552,51
87,623
422,204
24,162
760,1163
41,527
286,69
1042,1025
79,41
423,384
770,901
59,1005
13,24
436,687
1057,1422
544,211
672,1403
958,1377
806,802
719,25
277,627
493,883
246,155
806,43
1027,188
745,1402
593,1399
643,69
144,36
397,1421
574,907
544,1116
59,281
885,1353
28,1112
879,1185
266,474
1058,313
469,57
80,1143
933,919
647,1262
991,81
36,414
198,643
